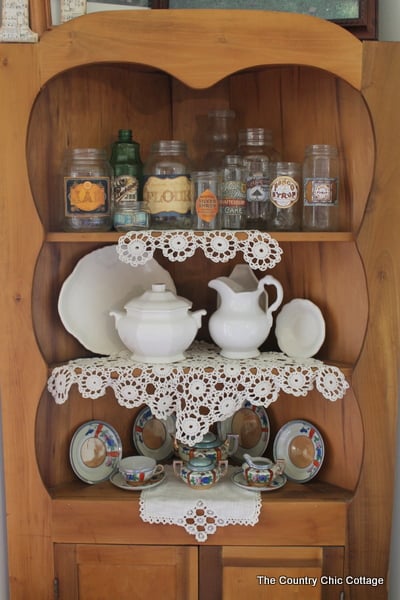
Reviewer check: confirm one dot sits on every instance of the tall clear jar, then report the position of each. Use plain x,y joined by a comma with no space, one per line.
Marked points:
285,204
167,189
232,195
87,177
205,204
258,171
257,141
321,188
221,137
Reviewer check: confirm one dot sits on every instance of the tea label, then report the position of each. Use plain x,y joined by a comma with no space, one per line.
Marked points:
87,195
285,191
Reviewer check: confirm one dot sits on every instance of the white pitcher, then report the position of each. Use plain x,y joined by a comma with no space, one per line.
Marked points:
240,325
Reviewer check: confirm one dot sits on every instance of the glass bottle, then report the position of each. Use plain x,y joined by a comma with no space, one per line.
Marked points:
167,189
285,207
258,183
257,140
320,188
205,204
232,195
128,213
221,137
87,190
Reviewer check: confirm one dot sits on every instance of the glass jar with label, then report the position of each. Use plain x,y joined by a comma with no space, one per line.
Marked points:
285,204
258,182
87,190
167,189
205,204
232,194
320,188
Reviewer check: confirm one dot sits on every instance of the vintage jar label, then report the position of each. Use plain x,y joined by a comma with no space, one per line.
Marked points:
285,191
207,206
320,191
87,195
233,197
167,194
125,189
257,188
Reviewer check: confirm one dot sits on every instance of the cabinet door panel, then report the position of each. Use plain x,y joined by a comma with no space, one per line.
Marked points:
101,572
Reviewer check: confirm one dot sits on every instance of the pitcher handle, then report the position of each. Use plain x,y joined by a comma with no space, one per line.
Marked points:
270,280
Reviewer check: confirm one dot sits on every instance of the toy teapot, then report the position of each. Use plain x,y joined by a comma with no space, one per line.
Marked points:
200,472
240,324
158,325
260,471
210,446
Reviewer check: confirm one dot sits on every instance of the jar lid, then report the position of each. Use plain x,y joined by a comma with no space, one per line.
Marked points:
255,136
169,147
158,299
325,149
222,113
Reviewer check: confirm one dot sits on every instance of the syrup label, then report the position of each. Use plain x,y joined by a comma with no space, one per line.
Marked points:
285,191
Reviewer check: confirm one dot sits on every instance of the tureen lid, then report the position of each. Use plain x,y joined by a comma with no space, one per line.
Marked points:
157,299
200,463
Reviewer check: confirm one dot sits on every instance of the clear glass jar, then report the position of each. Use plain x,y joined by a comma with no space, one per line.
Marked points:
87,177
257,140
320,188
205,204
285,206
221,137
167,189
232,194
258,183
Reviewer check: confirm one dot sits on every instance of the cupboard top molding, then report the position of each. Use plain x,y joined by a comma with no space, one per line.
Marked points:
184,43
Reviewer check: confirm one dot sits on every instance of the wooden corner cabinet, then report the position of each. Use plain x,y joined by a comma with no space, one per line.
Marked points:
159,72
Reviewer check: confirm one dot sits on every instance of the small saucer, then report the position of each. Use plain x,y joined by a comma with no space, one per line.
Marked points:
239,480
118,480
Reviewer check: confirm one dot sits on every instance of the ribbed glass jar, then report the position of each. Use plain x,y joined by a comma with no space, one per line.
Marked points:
167,189
87,178
321,188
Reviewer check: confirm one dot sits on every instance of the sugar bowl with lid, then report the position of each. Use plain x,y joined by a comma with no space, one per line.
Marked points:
211,446
201,472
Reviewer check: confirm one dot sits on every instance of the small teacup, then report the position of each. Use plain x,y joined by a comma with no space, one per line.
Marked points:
137,470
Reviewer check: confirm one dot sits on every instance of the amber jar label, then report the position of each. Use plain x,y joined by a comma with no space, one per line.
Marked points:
207,206
166,194
87,195
285,191
320,191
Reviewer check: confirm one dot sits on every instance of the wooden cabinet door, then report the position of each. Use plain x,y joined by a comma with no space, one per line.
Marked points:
281,573
101,572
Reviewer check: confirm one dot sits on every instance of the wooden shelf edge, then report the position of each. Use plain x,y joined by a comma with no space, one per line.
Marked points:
280,236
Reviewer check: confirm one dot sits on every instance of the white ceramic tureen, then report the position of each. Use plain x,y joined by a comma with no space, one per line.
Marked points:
158,326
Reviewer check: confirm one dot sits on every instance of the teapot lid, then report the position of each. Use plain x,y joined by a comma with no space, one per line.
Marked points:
200,463
210,440
157,299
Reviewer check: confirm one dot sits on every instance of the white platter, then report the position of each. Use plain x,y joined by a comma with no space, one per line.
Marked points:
251,423
118,480
153,437
100,282
301,445
300,328
239,480
95,451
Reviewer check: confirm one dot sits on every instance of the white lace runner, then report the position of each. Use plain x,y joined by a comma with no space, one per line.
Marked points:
200,512
201,390
260,251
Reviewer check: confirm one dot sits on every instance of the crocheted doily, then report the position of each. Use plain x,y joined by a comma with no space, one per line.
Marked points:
201,390
260,251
